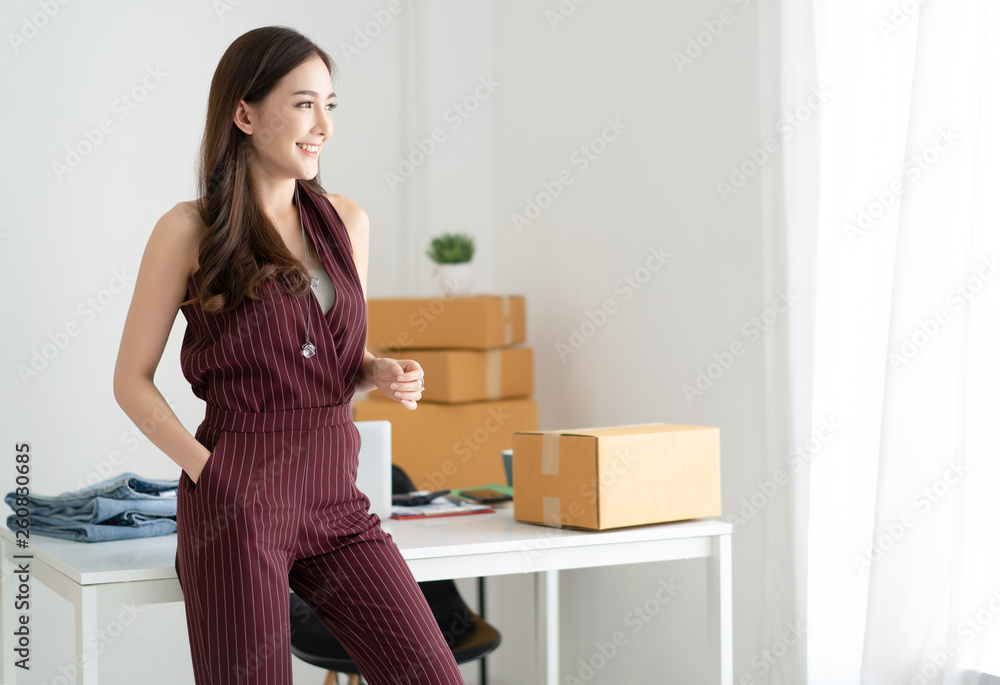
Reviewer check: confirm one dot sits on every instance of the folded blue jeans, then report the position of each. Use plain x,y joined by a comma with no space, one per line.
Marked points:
123,506
94,532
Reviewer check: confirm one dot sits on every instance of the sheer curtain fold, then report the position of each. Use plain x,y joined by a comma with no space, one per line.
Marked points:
903,563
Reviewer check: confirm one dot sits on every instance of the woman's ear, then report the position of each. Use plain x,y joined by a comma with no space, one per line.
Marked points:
243,118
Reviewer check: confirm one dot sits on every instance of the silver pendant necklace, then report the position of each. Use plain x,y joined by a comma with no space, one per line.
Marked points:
307,348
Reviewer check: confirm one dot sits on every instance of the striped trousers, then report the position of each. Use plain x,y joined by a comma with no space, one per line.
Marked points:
276,507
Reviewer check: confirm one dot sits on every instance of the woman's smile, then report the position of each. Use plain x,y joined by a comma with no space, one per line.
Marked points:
308,150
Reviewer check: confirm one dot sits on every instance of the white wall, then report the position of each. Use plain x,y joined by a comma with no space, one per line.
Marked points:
653,187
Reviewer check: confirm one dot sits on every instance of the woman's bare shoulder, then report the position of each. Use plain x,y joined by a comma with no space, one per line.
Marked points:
176,236
183,227
354,217
356,222
189,213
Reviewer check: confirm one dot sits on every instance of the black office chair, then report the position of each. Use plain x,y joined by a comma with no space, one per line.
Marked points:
468,635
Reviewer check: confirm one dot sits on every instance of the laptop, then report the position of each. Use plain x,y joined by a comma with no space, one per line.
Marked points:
375,465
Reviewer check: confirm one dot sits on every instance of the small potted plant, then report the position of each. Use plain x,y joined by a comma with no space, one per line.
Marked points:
452,253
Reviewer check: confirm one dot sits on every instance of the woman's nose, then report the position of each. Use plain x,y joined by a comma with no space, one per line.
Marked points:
325,122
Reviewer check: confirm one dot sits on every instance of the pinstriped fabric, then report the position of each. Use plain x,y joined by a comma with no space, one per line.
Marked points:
276,506
249,358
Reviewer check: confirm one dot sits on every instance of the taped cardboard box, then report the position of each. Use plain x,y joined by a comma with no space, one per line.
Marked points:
470,375
451,445
473,321
609,477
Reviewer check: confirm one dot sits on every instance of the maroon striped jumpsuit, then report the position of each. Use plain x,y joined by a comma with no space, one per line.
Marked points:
276,505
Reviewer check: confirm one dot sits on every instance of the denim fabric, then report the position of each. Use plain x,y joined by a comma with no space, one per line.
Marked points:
123,506
95,532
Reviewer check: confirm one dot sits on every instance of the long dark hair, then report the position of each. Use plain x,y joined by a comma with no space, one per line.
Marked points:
242,247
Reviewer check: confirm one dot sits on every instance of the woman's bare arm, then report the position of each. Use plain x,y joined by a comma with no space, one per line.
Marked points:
160,287
357,224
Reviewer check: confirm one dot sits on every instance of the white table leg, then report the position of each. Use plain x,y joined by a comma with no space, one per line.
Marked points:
86,626
547,627
720,611
8,583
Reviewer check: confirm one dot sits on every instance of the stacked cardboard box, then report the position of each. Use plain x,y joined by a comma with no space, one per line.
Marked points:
477,385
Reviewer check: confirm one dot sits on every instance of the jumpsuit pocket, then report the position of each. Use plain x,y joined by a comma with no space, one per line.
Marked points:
206,469
192,486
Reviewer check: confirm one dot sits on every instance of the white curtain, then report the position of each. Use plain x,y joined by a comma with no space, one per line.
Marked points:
902,568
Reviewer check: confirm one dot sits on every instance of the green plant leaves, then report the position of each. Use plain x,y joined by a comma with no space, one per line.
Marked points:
451,248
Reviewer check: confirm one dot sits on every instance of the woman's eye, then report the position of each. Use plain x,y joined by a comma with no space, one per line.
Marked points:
331,106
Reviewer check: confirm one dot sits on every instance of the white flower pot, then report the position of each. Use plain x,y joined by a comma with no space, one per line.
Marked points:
455,279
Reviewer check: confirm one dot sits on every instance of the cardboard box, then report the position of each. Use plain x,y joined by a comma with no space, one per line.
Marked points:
470,375
615,476
473,321
451,445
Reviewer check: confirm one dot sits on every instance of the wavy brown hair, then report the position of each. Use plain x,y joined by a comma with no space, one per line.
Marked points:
242,247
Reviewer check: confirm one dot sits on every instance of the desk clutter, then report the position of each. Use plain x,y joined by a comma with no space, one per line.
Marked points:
478,382
408,503
441,505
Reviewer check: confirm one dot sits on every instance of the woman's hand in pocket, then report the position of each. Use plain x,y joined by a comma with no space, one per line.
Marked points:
201,468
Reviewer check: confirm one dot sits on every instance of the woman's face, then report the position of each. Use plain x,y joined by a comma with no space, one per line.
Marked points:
289,118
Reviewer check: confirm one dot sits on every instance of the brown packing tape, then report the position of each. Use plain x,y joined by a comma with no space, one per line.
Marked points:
508,326
551,506
494,371
551,511
550,453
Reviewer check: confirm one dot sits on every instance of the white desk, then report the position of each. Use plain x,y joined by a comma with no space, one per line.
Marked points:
93,576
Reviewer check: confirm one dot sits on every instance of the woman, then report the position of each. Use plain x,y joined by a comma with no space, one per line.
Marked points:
267,498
